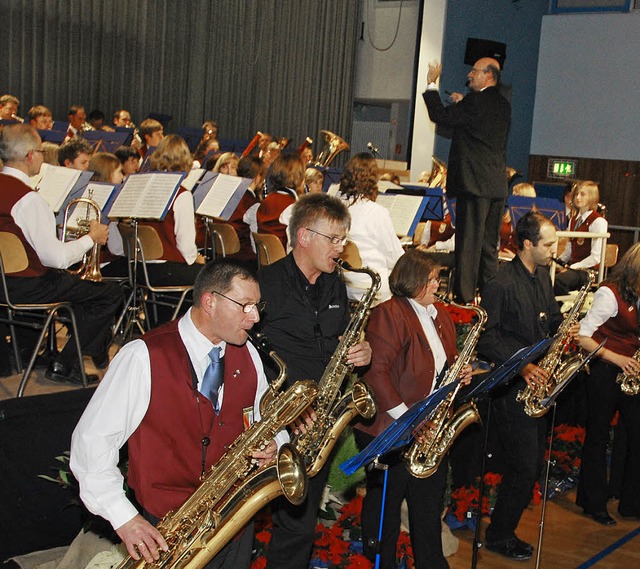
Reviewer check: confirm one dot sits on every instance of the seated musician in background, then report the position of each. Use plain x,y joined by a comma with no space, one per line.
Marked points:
129,159
440,236
151,133
75,153
285,179
122,119
77,118
371,226
248,167
175,436
40,117
181,261
227,164
614,316
108,168
270,153
307,155
313,179
9,107
580,254
96,119
412,340
521,311
508,245
26,214
306,313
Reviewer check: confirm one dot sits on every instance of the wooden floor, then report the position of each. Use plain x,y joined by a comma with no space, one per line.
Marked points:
570,540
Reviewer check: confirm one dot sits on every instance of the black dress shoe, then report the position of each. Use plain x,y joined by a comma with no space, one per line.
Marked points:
602,518
63,374
513,548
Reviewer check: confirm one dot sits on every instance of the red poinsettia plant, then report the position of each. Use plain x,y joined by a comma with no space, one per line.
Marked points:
566,450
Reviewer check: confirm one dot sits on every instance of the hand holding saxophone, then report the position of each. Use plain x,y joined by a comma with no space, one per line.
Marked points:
359,355
98,232
535,376
304,420
266,455
142,539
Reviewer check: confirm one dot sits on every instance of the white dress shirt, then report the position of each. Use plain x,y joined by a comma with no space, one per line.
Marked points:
117,409
604,306
34,217
427,316
185,227
372,231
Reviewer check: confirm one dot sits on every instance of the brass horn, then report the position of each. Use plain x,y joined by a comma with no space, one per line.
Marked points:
333,146
89,270
438,176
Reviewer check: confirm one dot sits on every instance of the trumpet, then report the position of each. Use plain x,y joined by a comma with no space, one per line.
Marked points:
17,118
89,270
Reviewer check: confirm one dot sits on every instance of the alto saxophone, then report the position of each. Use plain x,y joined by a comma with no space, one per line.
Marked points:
423,458
335,412
559,371
235,488
630,383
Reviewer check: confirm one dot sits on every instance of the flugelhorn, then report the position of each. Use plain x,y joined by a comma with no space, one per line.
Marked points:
90,268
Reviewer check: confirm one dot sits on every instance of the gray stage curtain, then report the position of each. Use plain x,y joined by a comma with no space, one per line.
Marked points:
280,66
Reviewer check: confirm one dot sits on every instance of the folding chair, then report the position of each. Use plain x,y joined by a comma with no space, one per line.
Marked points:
269,248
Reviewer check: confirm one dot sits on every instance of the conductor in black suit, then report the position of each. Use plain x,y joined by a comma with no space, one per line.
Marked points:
476,173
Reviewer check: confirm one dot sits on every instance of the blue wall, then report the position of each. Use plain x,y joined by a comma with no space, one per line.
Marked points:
516,23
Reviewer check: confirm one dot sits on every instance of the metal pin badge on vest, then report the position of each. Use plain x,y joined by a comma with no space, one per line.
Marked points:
580,241
236,373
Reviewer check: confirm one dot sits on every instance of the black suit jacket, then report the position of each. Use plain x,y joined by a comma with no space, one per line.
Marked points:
480,124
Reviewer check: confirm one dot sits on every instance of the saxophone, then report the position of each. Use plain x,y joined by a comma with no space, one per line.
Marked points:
235,488
630,384
335,412
423,458
559,371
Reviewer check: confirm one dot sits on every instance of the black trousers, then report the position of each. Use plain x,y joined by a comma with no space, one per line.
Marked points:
522,441
94,306
294,527
478,223
603,398
425,501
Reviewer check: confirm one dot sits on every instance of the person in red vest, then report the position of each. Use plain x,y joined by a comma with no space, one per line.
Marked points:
614,317
152,397
77,118
26,214
581,254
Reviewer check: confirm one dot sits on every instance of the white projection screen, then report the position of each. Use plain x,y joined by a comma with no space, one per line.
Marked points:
588,87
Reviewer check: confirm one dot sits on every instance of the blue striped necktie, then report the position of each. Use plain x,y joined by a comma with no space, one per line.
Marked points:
213,377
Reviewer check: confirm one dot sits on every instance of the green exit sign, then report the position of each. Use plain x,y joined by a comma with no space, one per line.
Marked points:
561,168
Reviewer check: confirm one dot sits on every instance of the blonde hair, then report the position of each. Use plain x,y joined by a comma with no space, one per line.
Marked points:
524,189
225,159
592,191
103,164
172,154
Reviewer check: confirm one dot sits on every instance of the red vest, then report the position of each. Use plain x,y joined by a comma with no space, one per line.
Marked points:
242,229
12,191
621,331
165,451
167,234
268,215
508,236
581,248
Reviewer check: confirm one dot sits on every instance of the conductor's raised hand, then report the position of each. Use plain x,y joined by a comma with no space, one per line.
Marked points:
434,71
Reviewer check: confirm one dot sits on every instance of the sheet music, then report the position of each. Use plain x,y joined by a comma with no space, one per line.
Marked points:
219,195
403,211
55,185
384,185
99,193
146,196
193,177
333,189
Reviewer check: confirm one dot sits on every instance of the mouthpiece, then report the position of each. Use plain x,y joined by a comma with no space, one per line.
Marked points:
559,262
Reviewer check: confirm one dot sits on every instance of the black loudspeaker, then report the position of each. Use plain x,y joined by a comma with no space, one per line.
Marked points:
478,48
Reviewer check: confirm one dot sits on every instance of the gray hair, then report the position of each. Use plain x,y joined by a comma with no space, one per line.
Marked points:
316,207
16,141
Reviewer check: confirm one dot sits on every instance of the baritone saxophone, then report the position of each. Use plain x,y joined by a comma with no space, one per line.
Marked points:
423,458
630,382
333,410
235,488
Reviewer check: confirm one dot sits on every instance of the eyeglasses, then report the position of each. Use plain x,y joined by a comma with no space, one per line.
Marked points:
474,70
247,307
37,150
333,238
